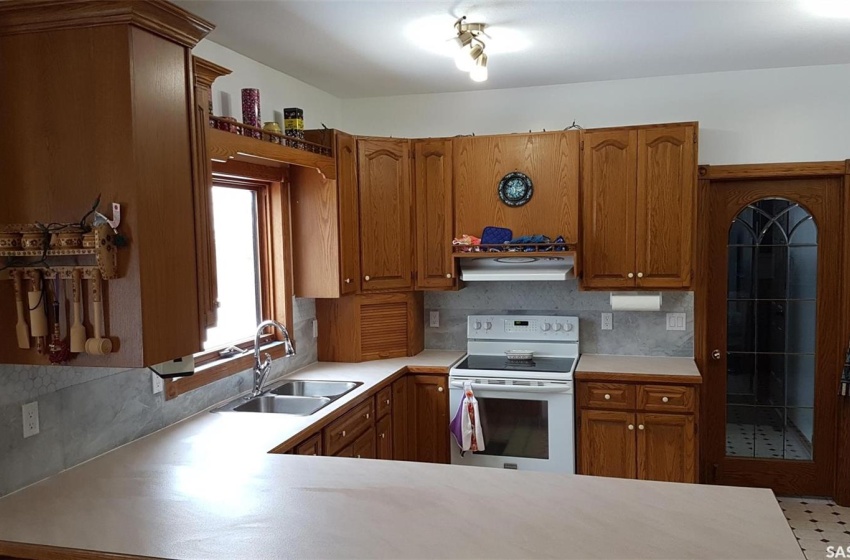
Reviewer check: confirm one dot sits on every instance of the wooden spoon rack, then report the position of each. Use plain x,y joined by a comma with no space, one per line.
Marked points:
61,262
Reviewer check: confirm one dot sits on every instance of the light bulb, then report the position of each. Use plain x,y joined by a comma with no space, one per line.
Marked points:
463,60
467,63
479,71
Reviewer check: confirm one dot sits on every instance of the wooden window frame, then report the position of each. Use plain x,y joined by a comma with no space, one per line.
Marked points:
275,263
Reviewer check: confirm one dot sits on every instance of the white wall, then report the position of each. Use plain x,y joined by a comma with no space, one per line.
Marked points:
277,90
788,114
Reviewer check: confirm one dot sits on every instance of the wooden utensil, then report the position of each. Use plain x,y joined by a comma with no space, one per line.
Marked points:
59,350
78,331
21,328
97,345
38,318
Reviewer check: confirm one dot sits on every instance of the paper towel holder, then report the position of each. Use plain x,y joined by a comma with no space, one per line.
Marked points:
635,301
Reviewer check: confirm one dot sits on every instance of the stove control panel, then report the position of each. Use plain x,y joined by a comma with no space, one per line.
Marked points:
522,327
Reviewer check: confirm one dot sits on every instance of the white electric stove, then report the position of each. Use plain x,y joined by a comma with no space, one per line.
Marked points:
526,406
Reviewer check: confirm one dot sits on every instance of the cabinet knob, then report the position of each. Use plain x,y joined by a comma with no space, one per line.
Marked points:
388,402
358,456
607,397
348,280
367,416
342,433
366,278
640,274
664,399
631,274
640,426
439,389
383,436
631,426
448,275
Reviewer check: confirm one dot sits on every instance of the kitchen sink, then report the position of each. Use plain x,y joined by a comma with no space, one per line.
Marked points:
277,404
330,389
298,398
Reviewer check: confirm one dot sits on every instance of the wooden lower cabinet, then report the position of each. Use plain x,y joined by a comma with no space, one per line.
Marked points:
384,438
310,446
401,419
655,438
428,428
608,444
362,448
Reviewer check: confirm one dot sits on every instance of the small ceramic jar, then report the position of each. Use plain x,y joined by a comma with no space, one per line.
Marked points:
272,126
10,241
32,240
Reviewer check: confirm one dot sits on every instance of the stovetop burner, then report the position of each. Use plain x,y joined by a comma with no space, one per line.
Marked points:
500,363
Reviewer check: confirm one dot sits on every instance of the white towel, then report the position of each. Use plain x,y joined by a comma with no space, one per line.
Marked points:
472,437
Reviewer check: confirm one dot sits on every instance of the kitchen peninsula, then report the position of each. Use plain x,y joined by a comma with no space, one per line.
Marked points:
208,488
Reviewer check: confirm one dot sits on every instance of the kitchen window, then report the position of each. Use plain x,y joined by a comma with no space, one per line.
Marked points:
251,257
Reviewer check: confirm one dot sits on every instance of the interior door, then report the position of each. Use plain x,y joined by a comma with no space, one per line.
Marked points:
772,251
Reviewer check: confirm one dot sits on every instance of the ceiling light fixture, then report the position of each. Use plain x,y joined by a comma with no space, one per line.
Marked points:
471,57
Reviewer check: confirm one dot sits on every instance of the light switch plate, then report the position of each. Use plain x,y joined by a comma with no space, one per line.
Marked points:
30,417
434,319
315,328
607,321
676,321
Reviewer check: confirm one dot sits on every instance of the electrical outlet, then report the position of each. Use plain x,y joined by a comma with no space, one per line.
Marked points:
435,319
607,321
157,384
30,416
675,321
315,328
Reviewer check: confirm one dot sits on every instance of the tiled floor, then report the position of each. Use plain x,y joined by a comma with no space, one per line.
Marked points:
818,524
748,440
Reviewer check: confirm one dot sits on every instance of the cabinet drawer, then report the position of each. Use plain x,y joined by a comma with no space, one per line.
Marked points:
310,446
362,448
619,396
384,402
345,430
666,398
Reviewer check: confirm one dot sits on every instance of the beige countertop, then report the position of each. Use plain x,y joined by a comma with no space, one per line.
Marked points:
638,365
206,488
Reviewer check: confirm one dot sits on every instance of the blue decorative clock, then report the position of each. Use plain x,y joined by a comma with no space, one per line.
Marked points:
515,189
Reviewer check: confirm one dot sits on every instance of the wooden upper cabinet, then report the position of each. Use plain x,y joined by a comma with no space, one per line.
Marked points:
325,224
433,189
349,227
609,171
666,185
205,73
638,188
385,214
549,159
607,443
120,126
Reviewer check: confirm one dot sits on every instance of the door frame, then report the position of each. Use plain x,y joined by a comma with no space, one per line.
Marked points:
707,173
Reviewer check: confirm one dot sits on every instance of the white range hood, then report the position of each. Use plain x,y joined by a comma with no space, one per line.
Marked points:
512,268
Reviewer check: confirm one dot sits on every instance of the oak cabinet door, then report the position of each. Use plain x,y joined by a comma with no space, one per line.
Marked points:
429,418
401,422
666,186
608,208
386,259
349,229
434,215
310,446
607,443
666,447
384,439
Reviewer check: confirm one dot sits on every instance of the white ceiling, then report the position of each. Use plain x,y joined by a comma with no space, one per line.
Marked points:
393,47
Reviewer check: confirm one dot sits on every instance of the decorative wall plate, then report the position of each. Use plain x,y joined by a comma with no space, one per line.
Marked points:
515,189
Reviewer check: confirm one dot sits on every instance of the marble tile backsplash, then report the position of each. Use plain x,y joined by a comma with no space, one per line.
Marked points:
634,333
85,412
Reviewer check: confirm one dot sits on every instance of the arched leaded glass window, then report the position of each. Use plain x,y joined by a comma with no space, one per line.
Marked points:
771,319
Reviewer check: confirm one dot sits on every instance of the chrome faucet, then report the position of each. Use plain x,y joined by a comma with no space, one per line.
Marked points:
261,370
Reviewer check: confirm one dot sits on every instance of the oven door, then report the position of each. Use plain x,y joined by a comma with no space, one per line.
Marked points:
527,424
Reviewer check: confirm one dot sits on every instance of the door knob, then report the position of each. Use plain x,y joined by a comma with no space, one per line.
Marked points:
715,354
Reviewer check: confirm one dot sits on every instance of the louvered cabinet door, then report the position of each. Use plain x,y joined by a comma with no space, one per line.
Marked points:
383,330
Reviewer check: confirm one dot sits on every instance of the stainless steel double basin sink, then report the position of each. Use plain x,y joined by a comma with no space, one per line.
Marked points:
298,398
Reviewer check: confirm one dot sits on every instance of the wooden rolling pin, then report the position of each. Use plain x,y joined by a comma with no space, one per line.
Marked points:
22,328
78,331
98,345
38,317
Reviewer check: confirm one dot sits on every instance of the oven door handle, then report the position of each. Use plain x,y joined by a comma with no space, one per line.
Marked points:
515,388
